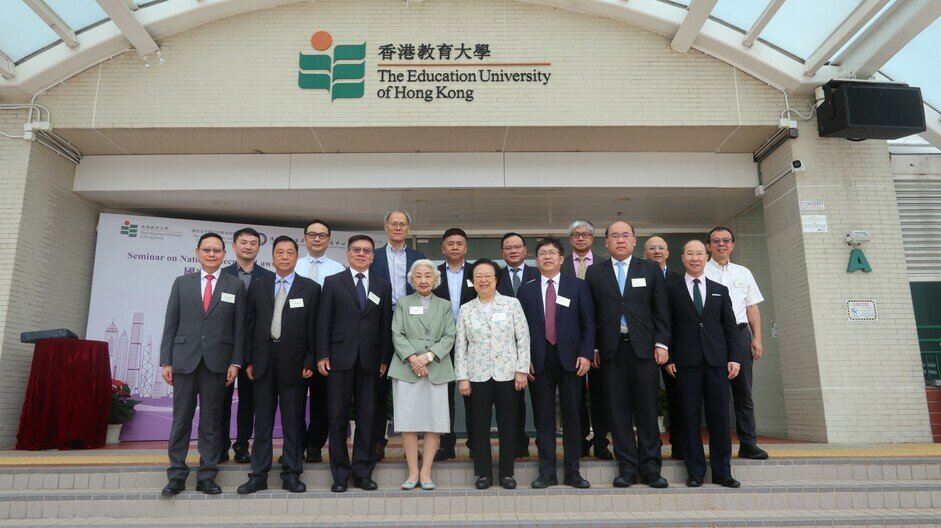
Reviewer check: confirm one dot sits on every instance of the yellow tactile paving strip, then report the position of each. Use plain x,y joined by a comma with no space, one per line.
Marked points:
159,457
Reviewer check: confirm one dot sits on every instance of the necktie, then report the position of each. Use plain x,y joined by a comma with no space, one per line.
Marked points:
278,308
697,297
207,293
312,274
622,280
361,291
516,279
581,267
550,313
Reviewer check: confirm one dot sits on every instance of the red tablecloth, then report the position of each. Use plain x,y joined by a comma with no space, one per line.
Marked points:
68,396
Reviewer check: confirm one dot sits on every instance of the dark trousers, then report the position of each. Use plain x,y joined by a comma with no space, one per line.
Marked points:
341,386
677,435
244,416
741,393
380,418
522,439
209,387
317,428
484,397
543,390
633,384
595,417
449,440
271,394
693,385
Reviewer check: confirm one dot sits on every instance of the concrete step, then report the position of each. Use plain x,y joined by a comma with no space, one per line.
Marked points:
389,474
912,496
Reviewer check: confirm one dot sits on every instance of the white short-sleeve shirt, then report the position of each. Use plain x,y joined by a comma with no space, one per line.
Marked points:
741,284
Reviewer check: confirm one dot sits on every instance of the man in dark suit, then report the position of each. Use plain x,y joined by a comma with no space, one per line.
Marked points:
457,287
354,347
515,274
595,418
561,321
656,249
246,242
392,262
703,359
633,333
282,317
201,352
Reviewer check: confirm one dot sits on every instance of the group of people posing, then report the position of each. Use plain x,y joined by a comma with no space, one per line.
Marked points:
390,320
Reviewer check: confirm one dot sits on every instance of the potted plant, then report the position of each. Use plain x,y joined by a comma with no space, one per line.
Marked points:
122,410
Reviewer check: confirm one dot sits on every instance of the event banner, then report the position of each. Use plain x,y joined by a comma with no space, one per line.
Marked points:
136,260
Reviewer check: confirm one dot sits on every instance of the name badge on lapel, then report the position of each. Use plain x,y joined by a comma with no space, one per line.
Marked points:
296,303
499,316
717,295
639,283
228,297
416,310
563,301
374,298
470,283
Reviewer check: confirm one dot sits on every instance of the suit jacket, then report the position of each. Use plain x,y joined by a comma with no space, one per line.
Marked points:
380,265
491,345
215,336
431,331
468,293
505,281
672,276
575,323
346,333
645,306
568,266
708,338
298,328
257,273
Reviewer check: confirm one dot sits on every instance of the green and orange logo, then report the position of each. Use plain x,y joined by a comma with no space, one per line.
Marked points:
341,73
128,229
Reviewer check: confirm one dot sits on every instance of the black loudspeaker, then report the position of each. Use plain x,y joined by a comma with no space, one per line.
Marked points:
37,335
867,110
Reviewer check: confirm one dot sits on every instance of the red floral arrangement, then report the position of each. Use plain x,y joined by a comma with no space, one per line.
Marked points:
122,406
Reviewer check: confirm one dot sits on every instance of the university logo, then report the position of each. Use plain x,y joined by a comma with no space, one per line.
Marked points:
341,73
129,229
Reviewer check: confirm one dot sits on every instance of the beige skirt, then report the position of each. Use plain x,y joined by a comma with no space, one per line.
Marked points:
420,407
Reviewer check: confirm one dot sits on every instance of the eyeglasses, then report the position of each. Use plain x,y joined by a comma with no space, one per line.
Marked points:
549,253
211,251
721,240
621,236
581,236
480,277
317,236
397,225
656,248
360,250
513,248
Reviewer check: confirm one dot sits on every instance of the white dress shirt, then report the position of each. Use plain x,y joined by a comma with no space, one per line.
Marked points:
202,280
325,267
741,284
702,288
365,278
545,284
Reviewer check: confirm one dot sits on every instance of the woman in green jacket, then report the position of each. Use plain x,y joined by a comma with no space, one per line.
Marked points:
423,333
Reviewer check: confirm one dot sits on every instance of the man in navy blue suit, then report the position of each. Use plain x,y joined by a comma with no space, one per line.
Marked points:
392,262
561,320
246,242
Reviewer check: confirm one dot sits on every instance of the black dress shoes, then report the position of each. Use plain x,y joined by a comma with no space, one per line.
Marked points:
654,480
313,456
174,487
727,482
294,485
508,482
366,484
544,481
624,481
224,457
444,453
483,483
694,481
208,486
586,449
575,480
752,452
603,453
338,487
253,485
242,456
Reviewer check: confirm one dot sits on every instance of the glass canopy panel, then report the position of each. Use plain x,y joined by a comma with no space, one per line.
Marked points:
800,26
21,31
913,64
739,13
78,14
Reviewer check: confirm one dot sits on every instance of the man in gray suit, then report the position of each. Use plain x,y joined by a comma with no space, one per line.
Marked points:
201,352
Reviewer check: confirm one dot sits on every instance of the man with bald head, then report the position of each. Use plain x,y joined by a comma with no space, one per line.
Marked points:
633,333
703,358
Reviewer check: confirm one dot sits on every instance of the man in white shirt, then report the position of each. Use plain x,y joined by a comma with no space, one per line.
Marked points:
745,298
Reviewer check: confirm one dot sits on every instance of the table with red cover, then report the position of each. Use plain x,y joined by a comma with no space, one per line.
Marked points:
68,397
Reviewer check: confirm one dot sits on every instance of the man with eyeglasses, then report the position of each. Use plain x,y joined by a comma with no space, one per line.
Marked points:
633,319
201,352
392,262
354,347
593,415
316,266
247,242
515,274
745,298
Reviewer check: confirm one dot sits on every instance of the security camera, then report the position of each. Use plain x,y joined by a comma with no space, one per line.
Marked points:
798,166
855,238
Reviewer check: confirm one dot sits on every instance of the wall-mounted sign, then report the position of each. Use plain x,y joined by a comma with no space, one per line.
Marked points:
814,223
858,262
812,205
861,310
774,329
